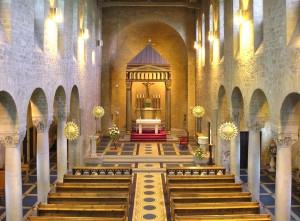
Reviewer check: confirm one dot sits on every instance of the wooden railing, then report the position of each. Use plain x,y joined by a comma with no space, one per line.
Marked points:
192,170
81,170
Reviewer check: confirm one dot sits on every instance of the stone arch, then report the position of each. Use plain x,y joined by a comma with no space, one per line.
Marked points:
259,106
74,148
237,104
8,118
125,46
38,104
290,121
59,105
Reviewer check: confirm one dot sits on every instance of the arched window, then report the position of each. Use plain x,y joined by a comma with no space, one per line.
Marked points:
258,23
211,32
221,27
5,21
39,17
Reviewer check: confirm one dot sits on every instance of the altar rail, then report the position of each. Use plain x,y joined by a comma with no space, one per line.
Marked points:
193,170
153,76
83,170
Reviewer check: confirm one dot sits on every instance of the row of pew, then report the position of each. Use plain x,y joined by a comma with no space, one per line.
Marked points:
210,198
86,197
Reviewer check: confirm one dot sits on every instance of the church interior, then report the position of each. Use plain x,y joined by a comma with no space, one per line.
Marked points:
163,110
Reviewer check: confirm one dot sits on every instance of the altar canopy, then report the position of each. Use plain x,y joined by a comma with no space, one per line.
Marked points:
148,67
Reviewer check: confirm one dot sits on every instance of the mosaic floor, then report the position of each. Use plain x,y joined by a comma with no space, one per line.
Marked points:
149,201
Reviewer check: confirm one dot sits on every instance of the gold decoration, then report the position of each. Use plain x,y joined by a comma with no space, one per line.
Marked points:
228,131
71,131
98,112
198,111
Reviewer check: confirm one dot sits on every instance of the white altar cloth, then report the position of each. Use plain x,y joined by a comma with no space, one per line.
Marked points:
142,122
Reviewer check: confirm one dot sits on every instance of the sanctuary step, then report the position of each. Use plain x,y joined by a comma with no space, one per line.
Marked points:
149,135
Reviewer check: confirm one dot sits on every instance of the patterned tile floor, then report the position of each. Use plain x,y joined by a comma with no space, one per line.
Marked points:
149,200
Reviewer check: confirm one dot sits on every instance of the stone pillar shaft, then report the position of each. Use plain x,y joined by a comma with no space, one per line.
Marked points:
128,107
235,153
254,164
13,175
62,157
283,185
13,184
43,166
168,107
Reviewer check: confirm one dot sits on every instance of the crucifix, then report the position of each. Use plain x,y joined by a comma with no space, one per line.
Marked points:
147,85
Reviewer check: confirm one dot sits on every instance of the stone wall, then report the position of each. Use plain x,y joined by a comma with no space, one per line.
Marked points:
269,67
26,65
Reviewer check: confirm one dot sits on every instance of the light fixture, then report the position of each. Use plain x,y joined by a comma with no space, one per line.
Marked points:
56,15
84,33
241,16
197,44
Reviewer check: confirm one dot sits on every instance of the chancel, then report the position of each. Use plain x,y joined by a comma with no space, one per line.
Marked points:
149,110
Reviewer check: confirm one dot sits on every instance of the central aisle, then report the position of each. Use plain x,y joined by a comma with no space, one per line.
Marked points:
149,202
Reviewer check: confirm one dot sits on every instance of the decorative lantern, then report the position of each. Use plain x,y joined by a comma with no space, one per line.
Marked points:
228,131
98,112
71,131
198,111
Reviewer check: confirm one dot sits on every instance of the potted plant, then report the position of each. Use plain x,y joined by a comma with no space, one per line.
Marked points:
114,134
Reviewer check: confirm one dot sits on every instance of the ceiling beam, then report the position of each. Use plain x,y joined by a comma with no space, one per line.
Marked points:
104,4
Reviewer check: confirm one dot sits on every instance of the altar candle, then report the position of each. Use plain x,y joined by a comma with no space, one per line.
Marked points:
210,135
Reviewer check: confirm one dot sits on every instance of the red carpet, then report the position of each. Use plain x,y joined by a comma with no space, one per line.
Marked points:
149,135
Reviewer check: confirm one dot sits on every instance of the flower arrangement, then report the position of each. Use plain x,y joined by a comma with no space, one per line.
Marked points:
199,153
114,132
272,150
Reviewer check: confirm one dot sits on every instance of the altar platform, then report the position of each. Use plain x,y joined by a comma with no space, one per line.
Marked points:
149,135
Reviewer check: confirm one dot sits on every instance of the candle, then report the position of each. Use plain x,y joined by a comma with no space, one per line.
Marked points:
137,96
143,95
210,135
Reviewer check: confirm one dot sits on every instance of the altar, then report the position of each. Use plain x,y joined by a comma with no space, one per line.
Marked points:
146,122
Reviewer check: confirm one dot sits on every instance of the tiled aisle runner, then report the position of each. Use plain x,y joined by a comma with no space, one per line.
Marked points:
149,203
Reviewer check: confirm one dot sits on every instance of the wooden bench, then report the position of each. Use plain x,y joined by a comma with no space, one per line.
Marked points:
215,170
201,179
97,179
192,209
89,198
2,187
204,188
210,197
93,187
61,218
86,170
72,210
234,217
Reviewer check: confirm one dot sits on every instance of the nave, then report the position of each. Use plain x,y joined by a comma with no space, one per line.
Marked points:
149,198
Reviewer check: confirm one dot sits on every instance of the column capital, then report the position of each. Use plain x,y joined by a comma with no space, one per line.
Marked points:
256,125
168,85
285,140
62,115
11,139
42,124
128,85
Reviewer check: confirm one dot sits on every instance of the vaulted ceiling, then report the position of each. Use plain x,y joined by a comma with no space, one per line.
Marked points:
169,3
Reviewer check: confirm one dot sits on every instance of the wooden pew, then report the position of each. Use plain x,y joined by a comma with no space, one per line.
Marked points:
210,197
88,170
204,188
61,218
228,178
93,187
215,170
97,179
192,209
72,210
2,187
233,217
89,198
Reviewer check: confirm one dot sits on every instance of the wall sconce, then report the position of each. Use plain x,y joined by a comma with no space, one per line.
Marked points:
212,35
241,16
84,33
56,15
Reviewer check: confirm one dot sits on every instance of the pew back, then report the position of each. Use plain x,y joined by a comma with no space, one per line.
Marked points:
232,217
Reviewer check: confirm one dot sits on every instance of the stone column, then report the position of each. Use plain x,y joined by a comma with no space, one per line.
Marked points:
168,106
283,183
42,158
254,157
235,149
62,147
128,106
13,174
